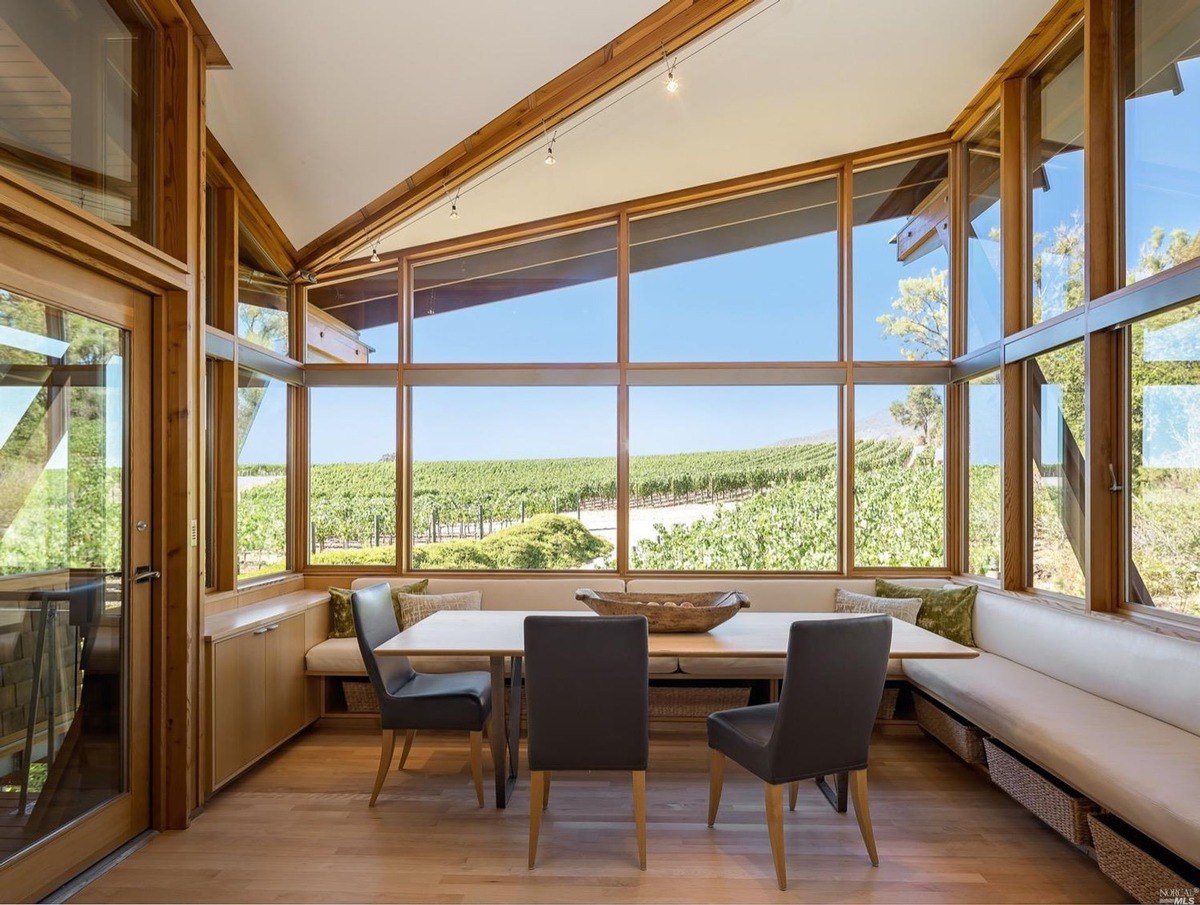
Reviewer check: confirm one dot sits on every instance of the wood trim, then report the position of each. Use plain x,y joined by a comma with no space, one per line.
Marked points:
252,211
639,48
623,268
846,351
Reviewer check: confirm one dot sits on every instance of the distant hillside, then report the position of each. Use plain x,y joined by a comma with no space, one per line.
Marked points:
879,426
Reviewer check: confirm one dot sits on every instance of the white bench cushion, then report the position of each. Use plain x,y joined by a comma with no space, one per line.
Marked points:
511,593
1143,769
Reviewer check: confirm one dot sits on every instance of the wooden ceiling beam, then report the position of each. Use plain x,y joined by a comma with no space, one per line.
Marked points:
670,27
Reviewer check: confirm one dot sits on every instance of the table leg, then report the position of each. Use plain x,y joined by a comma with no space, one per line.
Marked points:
836,797
497,734
514,719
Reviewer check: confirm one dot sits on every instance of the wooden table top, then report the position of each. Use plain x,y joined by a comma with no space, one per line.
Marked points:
502,633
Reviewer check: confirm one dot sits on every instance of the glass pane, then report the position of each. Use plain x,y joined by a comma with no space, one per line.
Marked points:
752,279
78,105
902,261
514,477
985,304
985,443
1164,440
262,483
262,305
1161,43
357,321
62,539
732,478
899,476
352,485
1057,444
212,377
552,299
1055,160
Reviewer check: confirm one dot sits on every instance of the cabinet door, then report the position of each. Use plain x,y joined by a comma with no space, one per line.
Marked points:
239,708
285,682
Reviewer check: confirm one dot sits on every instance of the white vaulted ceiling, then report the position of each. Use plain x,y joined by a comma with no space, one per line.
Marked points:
328,104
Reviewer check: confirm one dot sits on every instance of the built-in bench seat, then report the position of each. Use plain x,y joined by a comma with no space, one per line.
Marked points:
1112,710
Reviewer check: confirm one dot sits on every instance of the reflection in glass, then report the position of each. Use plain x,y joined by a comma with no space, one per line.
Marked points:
262,480
551,299
902,261
514,478
985,303
899,476
1056,448
355,322
985,440
750,279
1164,443
732,478
263,292
352,486
78,105
1161,81
62,539
1055,160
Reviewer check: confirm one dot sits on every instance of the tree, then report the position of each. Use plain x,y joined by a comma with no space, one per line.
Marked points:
922,318
921,411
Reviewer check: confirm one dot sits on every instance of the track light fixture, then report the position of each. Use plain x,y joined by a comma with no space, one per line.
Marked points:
375,253
672,82
550,161
454,209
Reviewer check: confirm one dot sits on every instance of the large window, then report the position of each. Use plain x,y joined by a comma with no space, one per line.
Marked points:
352,475
263,298
552,299
985,304
751,279
1054,156
262,426
514,477
355,322
78,105
1164,441
1161,83
733,477
1055,395
902,261
899,476
985,442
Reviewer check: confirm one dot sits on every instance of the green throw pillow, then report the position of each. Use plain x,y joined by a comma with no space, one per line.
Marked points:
343,618
946,612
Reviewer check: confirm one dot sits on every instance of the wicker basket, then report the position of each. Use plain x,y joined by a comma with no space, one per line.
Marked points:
666,613
1140,866
1056,803
360,697
695,702
962,738
887,704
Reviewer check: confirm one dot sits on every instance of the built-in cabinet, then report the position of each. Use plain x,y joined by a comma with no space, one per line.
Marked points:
258,695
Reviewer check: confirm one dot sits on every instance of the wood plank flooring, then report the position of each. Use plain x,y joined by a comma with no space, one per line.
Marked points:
297,829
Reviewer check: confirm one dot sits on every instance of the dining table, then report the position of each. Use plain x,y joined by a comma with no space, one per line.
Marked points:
499,635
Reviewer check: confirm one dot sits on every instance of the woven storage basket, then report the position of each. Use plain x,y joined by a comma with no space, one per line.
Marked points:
962,738
887,704
1057,804
1140,866
360,697
684,701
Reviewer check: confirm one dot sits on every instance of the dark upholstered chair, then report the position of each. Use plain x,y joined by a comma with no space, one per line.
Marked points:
409,700
587,684
821,725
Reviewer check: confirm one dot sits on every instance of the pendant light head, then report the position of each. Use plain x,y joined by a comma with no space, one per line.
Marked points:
550,161
672,82
375,253
453,210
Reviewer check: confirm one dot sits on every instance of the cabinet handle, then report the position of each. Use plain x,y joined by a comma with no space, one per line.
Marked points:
262,631
272,626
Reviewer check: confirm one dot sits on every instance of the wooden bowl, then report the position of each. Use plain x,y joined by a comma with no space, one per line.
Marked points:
664,611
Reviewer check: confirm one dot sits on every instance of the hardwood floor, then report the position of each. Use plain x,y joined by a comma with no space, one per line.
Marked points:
298,829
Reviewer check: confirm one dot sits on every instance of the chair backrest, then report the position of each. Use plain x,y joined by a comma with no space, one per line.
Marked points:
830,696
374,623
587,681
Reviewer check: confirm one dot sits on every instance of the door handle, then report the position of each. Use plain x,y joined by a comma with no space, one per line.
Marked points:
144,574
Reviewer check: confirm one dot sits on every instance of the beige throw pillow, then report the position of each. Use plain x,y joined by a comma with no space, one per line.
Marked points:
415,607
850,602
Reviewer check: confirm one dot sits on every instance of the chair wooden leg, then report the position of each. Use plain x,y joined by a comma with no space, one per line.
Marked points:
409,735
546,792
477,764
774,796
639,814
716,781
537,794
793,792
858,794
386,748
